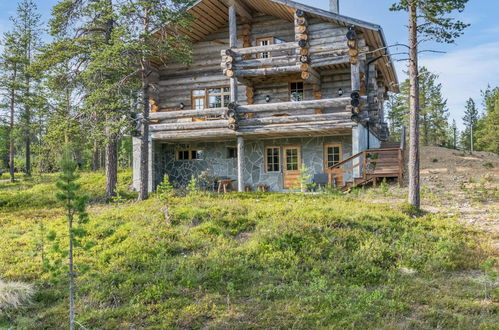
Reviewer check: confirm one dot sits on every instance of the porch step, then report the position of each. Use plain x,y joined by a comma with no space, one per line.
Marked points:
389,144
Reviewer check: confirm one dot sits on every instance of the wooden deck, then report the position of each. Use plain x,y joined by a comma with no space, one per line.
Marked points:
373,165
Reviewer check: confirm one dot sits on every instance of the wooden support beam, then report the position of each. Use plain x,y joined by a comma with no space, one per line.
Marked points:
305,128
240,163
291,106
189,125
271,61
263,71
194,134
241,9
187,113
342,116
232,45
260,49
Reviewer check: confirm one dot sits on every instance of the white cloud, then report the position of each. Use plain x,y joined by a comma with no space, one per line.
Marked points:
463,74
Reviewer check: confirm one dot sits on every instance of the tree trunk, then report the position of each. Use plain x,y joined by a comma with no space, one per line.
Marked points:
111,164
28,149
414,188
71,276
95,155
471,137
144,141
11,128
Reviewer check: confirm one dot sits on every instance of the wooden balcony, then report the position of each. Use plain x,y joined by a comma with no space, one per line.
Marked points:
266,120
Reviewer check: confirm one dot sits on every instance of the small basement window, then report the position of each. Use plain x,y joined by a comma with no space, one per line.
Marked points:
296,91
231,152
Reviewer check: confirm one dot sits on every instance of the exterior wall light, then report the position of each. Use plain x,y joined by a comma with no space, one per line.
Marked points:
340,92
267,98
182,106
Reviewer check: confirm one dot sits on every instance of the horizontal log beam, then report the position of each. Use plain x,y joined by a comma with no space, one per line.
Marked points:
298,128
287,106
199,134
274,61
187,113
260,49
189,125
342,116
264,71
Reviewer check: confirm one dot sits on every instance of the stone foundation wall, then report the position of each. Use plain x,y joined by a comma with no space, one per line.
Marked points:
214,159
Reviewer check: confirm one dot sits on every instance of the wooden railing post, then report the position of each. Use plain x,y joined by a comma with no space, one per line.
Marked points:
364,164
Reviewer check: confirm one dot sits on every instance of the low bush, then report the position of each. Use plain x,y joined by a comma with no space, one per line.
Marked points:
254,260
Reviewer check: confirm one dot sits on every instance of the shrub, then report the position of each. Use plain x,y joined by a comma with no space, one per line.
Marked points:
14,295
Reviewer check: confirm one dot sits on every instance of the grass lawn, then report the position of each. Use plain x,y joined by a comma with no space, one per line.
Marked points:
244,260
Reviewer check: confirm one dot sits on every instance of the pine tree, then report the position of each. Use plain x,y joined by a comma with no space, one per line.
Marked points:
486,128
27,31
470,119
427,19
397,113
74,204
433,115
143,38
11,62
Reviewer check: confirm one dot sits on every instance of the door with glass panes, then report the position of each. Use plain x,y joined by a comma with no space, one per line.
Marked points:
292,165
332,156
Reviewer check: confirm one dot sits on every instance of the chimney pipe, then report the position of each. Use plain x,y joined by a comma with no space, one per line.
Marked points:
334,6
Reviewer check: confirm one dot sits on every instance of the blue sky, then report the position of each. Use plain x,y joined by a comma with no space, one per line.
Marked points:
465,69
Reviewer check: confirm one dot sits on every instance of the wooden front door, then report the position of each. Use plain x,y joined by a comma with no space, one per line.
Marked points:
292,165
332,156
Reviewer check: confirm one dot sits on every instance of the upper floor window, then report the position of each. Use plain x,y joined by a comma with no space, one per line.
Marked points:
217,97
296,91
198,99
264,42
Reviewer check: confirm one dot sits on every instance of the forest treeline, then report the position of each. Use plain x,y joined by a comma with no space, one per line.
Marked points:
79,80
480,120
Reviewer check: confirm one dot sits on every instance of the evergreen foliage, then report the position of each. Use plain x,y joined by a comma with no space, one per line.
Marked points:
434,113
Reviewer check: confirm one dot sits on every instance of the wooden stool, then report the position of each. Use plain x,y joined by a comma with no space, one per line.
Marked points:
262,188
248,188
223,184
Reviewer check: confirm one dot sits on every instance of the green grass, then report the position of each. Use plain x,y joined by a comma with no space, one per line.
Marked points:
248,261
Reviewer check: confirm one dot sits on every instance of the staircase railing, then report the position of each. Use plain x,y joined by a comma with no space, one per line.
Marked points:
366,161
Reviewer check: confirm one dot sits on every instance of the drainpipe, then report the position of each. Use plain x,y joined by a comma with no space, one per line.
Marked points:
368,64
368,139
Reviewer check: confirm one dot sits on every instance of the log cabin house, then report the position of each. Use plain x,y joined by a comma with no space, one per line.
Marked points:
274,85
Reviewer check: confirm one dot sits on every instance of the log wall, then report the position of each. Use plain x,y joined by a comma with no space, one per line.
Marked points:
177,80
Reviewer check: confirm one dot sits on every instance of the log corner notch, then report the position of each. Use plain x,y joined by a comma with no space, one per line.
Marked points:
308,74
232,116
353,52
301,36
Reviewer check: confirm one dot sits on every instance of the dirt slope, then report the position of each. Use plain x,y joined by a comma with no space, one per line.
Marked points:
455,181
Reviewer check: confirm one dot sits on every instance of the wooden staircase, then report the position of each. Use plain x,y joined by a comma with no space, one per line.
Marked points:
372,165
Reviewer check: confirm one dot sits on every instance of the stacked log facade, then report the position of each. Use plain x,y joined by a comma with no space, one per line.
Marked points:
324,56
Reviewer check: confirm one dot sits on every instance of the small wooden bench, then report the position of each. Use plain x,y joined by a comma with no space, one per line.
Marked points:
262,187
223,184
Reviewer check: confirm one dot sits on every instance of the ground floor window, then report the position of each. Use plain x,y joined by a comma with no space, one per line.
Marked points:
332,155
189,154
292,159
231,152
272,159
